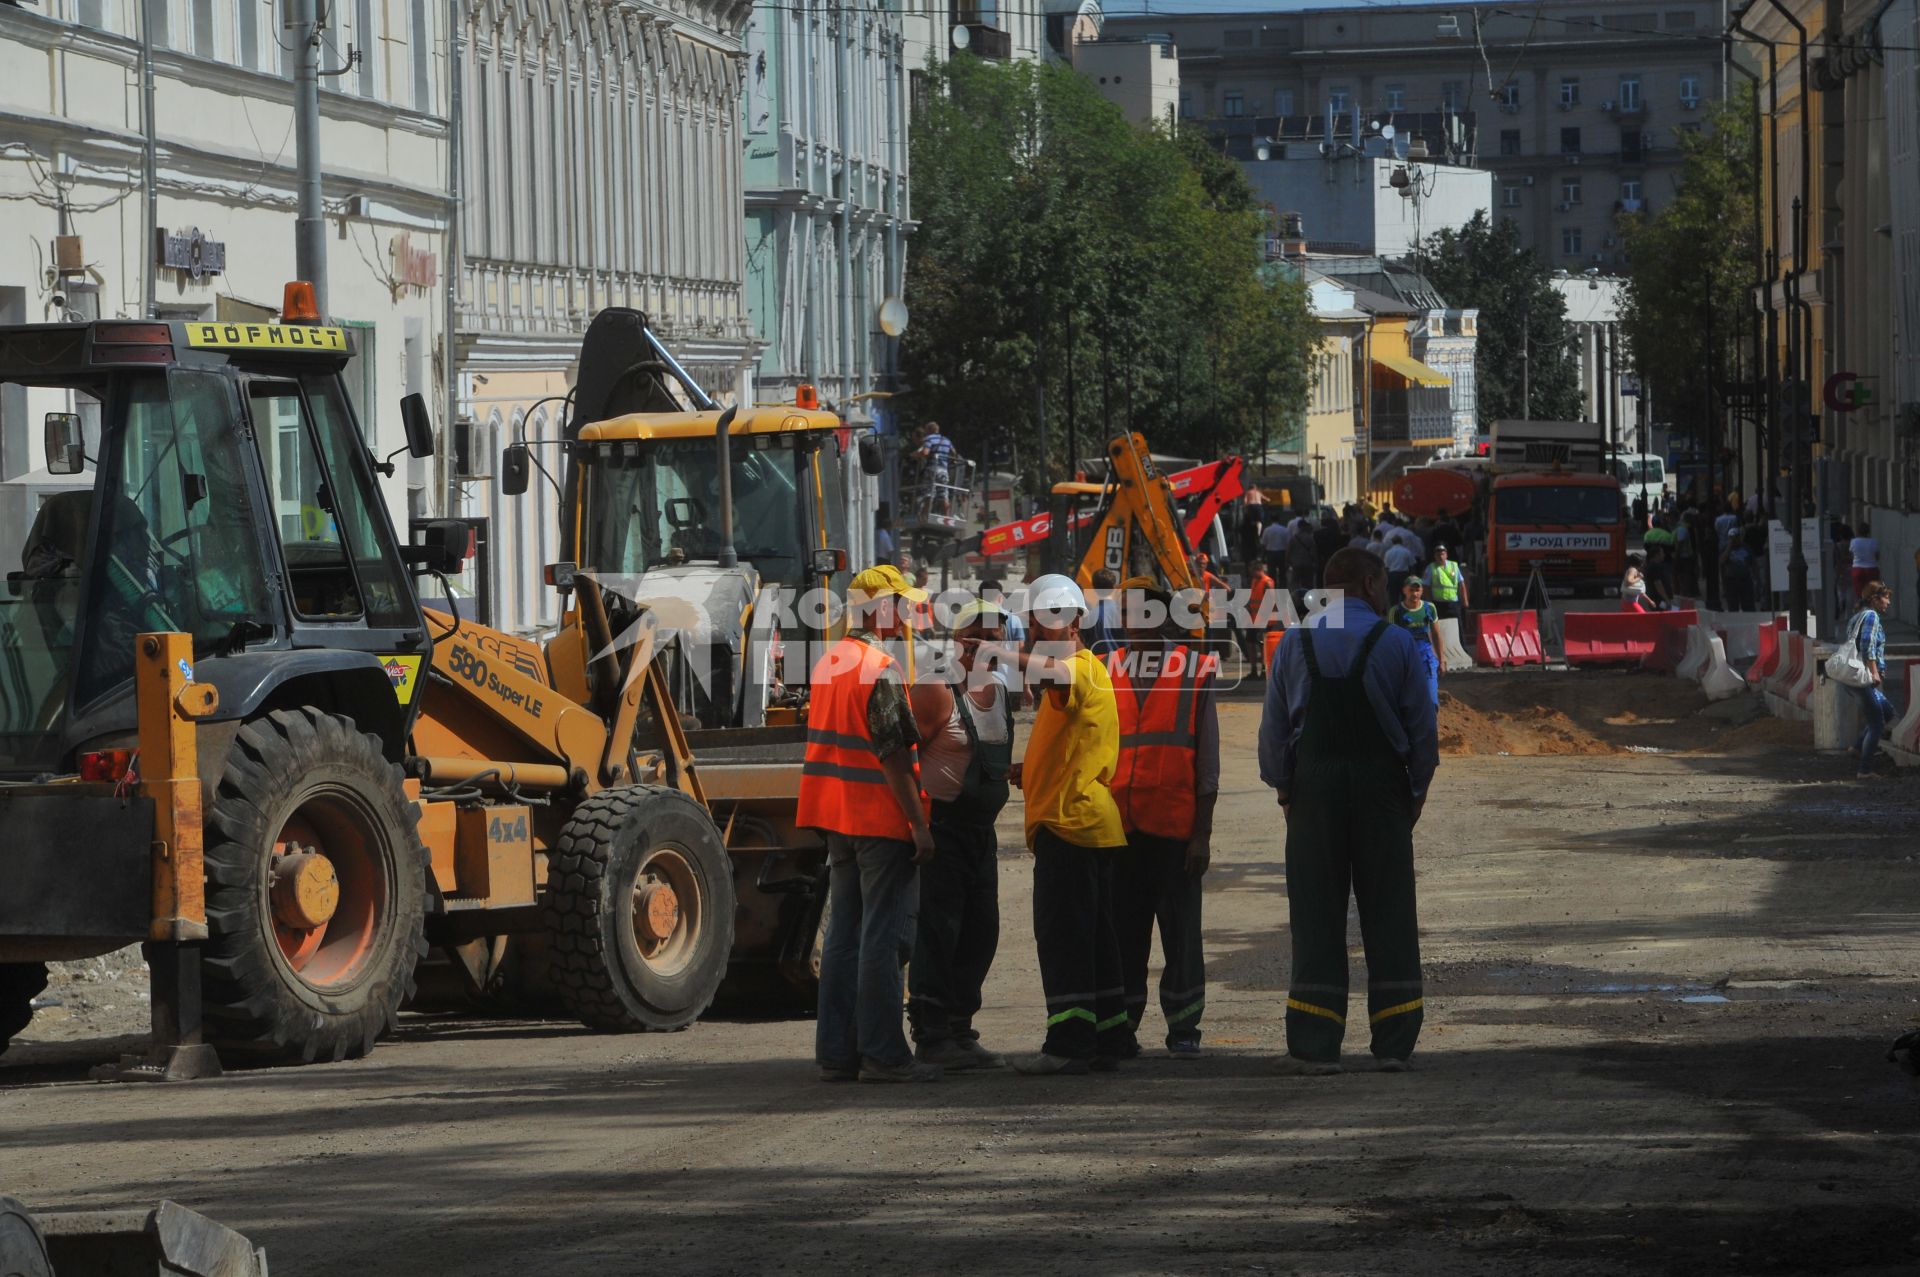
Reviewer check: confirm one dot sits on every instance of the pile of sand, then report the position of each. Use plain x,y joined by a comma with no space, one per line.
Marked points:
1762,736
1532,730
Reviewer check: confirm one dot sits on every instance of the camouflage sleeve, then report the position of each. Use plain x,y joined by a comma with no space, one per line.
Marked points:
890,718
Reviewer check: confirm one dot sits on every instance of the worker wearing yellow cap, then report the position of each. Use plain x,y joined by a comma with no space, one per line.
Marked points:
860,788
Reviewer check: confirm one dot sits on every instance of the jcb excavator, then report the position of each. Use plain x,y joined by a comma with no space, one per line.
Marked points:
229,731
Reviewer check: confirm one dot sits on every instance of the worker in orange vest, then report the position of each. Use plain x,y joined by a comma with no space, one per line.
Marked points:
1253,637
860,788
1166,785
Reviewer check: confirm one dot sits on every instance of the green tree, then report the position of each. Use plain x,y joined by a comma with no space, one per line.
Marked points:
1075,276
1525,364
1689,271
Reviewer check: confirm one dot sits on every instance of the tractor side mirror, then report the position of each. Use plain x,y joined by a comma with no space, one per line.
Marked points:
419,425
515,465
826,562
871,462
442,547
66,449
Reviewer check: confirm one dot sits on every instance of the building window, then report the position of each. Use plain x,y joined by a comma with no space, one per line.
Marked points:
1186,106
1233,105
202,27
1570,141
246,33
1629,93
1510,94
1283,101
1632,146
1238,39
1570,240
1510,195
1570,90
1569,190
420,45
1689,91
1452,93
1338,99
1396,97
1509,141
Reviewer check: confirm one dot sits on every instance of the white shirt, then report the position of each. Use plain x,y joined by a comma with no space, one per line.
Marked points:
1400,559
1866,552
1274,537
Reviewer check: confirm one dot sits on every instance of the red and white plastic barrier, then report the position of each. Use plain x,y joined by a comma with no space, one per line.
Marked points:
1510,638
1903,738
1617,638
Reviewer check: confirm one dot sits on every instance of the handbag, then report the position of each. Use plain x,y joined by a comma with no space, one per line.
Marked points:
1845,666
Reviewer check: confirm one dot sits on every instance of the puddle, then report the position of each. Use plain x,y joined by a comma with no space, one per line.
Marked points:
1705,997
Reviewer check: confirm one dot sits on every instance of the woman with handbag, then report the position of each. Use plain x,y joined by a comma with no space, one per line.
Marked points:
1868,639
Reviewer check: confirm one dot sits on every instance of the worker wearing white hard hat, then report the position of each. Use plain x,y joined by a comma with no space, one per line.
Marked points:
1074,831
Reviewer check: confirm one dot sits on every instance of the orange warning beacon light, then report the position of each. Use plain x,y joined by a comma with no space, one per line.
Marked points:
297,304
805,396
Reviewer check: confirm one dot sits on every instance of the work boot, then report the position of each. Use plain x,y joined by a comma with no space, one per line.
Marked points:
1184,1046
951,1055
906,1071
1042,1065
983,1058
1392,1064
1294,1066
839,1072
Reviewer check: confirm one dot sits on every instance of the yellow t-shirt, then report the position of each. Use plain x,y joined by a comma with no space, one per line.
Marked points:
1071,755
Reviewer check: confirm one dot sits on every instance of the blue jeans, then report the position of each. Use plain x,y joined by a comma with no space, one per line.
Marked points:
873,899
1875,712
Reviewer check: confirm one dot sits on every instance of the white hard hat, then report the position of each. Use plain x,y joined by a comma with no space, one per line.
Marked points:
1055,593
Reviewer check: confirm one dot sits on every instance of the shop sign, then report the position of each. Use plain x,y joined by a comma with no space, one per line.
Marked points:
190,251
414,267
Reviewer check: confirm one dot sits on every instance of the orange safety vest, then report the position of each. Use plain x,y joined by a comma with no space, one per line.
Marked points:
842,789
1159,736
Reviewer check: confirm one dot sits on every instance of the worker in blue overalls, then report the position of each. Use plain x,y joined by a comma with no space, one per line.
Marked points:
1422,620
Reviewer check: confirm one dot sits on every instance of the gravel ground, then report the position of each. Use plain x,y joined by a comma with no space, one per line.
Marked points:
1663,970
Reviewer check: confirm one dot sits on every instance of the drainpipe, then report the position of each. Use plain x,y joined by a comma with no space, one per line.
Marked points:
1799,330
1759,233
149,165
449,347
1770,255
844,228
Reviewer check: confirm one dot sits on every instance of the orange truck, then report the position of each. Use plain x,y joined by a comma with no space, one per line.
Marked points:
1554,508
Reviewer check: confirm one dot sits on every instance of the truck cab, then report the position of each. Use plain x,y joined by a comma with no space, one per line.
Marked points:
1569,526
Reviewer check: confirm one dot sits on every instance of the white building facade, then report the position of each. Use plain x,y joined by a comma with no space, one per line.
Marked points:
74,240
600,165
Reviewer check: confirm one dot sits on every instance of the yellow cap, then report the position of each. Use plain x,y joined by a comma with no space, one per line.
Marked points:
975,609
884,578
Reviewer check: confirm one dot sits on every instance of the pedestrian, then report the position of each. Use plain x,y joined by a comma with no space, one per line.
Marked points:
1303,562
1102,627
1757,558
1349,745
1447,586
1865,553
1398,556
858,787
966,756
1422,620
1166,784
1736,576
1074,830
1273,545
1868,633
1633,587
1328,540
883,534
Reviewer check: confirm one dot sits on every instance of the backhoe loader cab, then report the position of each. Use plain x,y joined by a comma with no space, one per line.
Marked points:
229,731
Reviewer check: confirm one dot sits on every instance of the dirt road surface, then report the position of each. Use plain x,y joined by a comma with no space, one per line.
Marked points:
1665,958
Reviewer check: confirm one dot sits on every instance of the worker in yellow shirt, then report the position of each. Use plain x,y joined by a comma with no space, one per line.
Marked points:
1075,832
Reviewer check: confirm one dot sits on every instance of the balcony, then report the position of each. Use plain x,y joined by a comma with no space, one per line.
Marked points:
984,41
1412,415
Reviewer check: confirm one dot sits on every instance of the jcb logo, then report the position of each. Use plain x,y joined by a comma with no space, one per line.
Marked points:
1116,547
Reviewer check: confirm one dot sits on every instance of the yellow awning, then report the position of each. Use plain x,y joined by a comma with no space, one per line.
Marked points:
1413,370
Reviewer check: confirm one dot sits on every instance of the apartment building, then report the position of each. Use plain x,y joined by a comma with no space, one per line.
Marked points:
1575,106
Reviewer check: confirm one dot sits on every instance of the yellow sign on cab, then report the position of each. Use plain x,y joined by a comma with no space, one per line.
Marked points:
404,673
303,338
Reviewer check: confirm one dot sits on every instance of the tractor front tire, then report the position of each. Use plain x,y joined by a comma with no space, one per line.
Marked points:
639,910
316,892
20,984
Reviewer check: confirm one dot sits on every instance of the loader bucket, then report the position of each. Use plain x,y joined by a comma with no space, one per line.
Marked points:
167,1241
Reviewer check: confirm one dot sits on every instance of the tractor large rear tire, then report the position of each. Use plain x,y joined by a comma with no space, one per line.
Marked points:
639,910
20,984
280,983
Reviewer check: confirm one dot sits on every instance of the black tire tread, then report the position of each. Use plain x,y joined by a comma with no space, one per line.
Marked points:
248,1010
20,984
584,973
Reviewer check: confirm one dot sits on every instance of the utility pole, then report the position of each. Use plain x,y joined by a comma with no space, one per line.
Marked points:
309,227
1526,360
